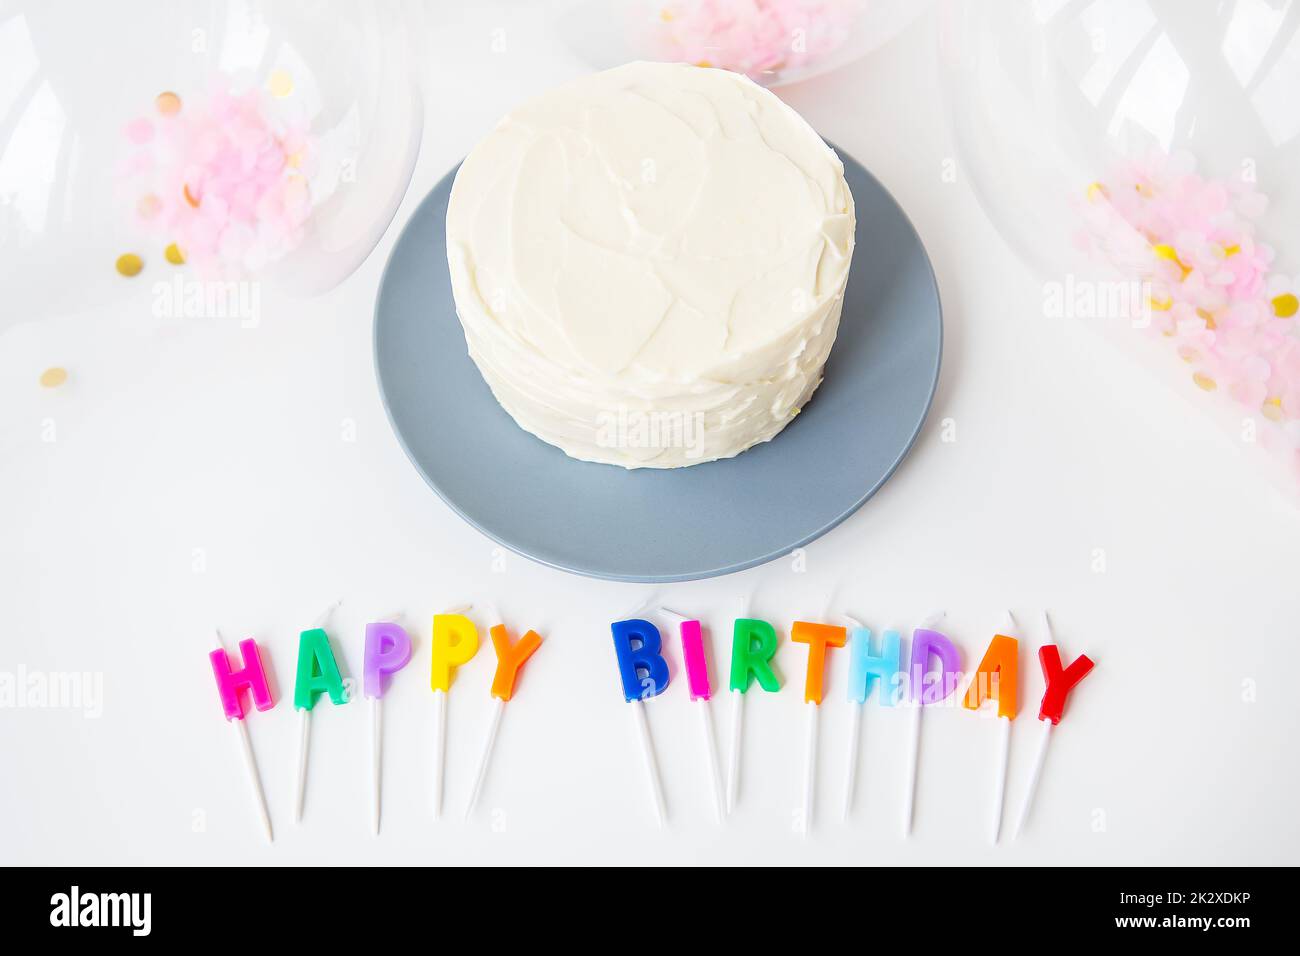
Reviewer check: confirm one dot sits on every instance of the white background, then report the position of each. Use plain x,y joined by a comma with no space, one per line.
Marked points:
180,435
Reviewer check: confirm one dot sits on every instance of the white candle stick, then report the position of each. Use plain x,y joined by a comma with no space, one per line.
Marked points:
648,756
733,753
1004,748
304,748
706,735
254,779
377,761
914,741
737,731
913,754
250,765
711,755
810,765
439,749
1000,774
440,733
1040,755
1034,774
850,777
377,747
855,734
304,733
498,708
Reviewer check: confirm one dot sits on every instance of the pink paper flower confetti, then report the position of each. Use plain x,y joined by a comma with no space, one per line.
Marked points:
760,38
225,178
1215,294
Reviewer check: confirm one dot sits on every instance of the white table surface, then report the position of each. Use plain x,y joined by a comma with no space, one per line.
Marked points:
202,474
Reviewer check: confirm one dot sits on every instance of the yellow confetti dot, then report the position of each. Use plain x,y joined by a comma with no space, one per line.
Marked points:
1272,410
54,377
1166,251
1285,305
1209,319
1204,381
1097,191
1231,250
129,264
1143,190
666,16
168,103
174,255
704,63
280,83
1161,305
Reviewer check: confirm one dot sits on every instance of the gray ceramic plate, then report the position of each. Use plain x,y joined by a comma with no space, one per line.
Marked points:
677,525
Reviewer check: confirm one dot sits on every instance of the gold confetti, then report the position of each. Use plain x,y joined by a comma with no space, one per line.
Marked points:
53,377
1285,305
174,255
168,103
1232,250
1204,381
1209,319
129,264
1272,410
1097,191
280,83
704,63
189,196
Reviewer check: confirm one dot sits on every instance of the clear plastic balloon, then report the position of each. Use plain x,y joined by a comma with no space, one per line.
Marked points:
240,138
1154,146
774,42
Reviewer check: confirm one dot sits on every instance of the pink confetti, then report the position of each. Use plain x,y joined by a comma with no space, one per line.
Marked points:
1215,293
227,178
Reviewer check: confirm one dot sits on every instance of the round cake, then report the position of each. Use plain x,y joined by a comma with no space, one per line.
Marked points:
649,264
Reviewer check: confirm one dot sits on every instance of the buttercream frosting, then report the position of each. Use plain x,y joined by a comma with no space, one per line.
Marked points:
649,263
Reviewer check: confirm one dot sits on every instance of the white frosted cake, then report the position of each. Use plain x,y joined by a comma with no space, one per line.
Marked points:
649,264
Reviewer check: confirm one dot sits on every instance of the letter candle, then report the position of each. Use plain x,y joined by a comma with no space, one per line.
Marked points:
818,637
230,687
318,673
753,646
926,643
995,679
863,667
510,658
644,674
1059,684
697,678
455,642
387,651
